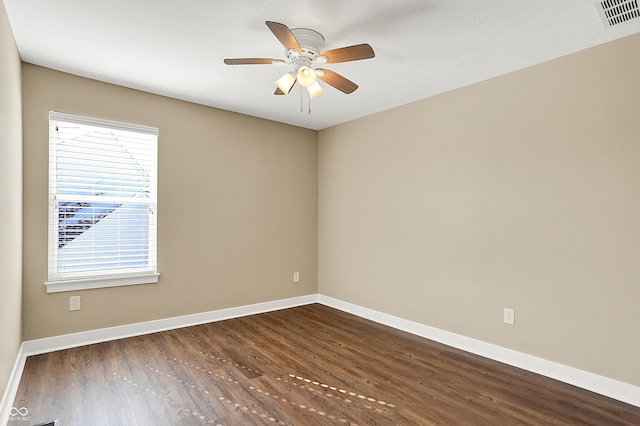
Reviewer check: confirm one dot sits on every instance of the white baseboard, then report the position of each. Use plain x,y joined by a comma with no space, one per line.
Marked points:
602,385
66,341
12,387
605,386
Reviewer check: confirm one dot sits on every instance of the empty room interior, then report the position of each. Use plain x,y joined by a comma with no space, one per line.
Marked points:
455,242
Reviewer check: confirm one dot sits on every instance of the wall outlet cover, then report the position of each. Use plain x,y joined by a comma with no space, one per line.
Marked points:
74,303
509,316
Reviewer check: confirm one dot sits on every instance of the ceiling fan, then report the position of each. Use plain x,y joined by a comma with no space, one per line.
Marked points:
303,51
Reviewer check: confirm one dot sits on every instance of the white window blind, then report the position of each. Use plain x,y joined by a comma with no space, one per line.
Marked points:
102,203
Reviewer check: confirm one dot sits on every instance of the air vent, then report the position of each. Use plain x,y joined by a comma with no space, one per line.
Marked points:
615,12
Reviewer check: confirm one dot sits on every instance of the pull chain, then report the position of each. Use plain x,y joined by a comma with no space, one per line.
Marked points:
301,101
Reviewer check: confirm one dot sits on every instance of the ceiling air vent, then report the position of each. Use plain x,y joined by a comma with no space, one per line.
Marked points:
614,12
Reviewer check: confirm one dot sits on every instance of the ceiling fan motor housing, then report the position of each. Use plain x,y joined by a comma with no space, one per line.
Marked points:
310,41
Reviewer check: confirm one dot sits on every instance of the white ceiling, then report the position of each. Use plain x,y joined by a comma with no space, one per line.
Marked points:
176,48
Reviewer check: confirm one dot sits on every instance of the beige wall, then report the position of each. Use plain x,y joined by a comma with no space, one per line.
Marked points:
11,196
237,209
522,191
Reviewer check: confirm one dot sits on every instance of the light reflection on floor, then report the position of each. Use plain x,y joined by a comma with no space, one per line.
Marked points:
322,389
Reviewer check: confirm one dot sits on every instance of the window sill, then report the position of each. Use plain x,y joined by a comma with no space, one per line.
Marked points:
101,282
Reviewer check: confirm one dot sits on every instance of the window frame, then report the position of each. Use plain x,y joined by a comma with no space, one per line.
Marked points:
66,281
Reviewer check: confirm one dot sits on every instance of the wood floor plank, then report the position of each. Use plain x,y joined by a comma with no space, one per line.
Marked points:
310,365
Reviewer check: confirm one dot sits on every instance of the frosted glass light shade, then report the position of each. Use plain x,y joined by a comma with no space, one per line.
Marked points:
314,90
306,76
286,82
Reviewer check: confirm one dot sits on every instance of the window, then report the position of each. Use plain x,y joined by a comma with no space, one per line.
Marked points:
102,203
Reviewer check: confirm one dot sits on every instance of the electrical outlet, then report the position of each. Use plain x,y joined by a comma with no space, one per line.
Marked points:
509,316
296,277
74,303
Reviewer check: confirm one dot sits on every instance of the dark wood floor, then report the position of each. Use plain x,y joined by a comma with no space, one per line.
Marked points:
310,365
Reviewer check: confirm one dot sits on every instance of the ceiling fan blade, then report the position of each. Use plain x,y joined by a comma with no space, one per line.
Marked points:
349,53
252,61
279,92
284,34
336,80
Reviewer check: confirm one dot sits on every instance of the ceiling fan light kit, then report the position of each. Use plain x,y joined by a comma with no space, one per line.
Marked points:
303,49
